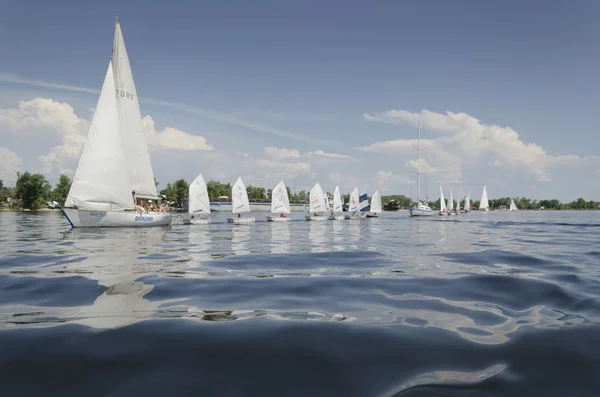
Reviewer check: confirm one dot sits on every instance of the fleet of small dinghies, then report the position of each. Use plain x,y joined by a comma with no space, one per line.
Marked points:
114,167
240,203
280,203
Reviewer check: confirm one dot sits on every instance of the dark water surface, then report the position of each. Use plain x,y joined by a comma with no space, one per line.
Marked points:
476,305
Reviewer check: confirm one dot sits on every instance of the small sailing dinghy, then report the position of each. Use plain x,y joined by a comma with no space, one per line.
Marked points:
239,203
513,206
466,205
484,205
318,204
198,203
443,208
420,208
451,205
114,166
354,206
336,214
280,203
376,206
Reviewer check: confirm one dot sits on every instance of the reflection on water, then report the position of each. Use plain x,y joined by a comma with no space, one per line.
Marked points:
474,285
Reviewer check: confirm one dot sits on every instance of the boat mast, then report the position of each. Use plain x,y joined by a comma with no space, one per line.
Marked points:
419,164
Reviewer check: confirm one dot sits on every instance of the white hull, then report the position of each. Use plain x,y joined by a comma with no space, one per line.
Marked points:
84,218
315,218
485,210
196,221
277,219
356,216
443,214
241,220
336,217
420,212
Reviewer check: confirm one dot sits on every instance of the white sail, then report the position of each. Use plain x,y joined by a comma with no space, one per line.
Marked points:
512,207
99,183
443,207
136,150
467,203
280,201
483,204
337,200
376,206
451,202
239,198
353,206
317,200
199,202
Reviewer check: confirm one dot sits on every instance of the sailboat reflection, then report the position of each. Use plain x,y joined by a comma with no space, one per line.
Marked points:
280,237
200,244
317,235
353,234
338,235
240,239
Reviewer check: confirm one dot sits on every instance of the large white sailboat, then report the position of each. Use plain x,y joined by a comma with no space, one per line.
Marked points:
318,204
513,206
280,203
376,206
443,208
484,205
420,208
114,165
198,203
240,203
336,214
353,205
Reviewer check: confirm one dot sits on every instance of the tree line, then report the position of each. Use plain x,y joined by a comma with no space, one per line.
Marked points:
33,191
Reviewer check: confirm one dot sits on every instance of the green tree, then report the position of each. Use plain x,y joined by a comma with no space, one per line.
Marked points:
61,191
176,192
32,190
1,185
216,189
156,182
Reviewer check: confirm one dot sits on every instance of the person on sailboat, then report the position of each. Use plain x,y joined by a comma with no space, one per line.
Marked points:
137,207
282,215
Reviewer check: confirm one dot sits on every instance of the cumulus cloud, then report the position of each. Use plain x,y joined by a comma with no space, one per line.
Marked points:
425,167
276,153
466,139
172,138
10,164
47,114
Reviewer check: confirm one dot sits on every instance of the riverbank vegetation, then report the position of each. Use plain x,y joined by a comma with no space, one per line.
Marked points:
33,191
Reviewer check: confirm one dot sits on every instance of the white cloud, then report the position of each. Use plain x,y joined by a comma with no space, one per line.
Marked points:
466,140
495,163
425,167
10,164
388,181
172,138
275,153
321,153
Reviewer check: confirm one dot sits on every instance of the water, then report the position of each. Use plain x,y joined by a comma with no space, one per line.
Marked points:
475,305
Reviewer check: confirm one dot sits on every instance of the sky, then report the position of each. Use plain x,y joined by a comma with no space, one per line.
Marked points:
506,93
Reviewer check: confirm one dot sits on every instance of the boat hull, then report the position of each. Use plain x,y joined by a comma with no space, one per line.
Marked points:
196,221
356,216
241,220
336,217
84,218
372,216
420,212
315,218
484,210
277,219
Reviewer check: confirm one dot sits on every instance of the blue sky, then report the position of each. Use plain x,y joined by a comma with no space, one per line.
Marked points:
302,76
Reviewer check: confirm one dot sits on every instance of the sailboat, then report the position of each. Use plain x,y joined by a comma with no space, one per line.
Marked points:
114,166
467,205
198,203
318,203
376,206
280,203
484,205
353,206
419,208
239,203
336,214
443,208
363,202
513,206
451,205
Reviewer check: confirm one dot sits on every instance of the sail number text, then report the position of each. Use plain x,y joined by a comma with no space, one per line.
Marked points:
124,94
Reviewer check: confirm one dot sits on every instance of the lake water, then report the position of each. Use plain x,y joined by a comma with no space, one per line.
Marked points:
474,305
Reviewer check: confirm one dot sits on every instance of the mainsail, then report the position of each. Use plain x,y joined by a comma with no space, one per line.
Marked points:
317,200
512,207
483,204
451,202
239,199
443,207
364,201
99,183
199,202
376,206
337,200
136,150
353,206
280,202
